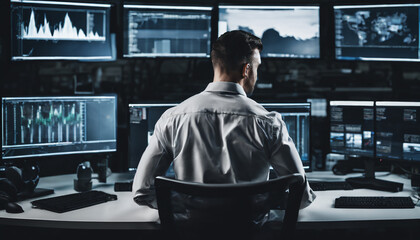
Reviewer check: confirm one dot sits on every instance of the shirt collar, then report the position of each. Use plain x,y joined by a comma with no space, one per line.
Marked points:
227,87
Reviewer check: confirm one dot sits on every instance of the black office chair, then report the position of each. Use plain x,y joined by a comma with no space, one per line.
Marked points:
190,210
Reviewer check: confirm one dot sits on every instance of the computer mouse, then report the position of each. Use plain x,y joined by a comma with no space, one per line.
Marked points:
12,207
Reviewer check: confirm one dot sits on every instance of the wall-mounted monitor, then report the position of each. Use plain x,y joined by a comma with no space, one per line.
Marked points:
166,31
48,126
377,32
285,31
55,30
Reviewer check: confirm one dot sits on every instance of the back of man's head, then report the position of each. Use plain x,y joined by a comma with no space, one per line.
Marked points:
233,49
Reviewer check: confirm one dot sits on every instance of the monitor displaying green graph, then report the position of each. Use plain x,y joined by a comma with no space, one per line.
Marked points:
42,126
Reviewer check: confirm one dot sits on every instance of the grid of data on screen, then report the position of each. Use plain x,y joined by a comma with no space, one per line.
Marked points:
297,119
377,32
60,30
352,127
398,130
286,32
166,31
45,126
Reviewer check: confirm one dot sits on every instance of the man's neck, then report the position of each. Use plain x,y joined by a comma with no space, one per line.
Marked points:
223,77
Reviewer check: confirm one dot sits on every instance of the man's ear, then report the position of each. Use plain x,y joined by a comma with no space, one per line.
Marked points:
245,70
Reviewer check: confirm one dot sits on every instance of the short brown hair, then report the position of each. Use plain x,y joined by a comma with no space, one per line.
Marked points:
234,48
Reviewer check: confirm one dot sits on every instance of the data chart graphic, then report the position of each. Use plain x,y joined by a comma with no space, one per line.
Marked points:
166,31
60,30
64,31
42,126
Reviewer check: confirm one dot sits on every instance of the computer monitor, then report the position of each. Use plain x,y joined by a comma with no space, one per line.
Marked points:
143,118
398,131
51,30
352,128
166,31
47,126
285,31
377,32
297,118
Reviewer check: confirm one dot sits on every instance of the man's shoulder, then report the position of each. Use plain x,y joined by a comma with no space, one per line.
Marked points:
220,103
185,106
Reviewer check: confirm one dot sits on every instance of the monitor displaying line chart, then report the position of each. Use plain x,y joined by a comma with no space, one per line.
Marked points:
60,30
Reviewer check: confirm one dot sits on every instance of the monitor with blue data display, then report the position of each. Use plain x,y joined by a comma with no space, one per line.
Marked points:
51,30
377,32
398,131
143,118
285,31
297,118
48,126
166,31
352,128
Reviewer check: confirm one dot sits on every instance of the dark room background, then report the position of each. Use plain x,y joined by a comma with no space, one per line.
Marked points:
168,80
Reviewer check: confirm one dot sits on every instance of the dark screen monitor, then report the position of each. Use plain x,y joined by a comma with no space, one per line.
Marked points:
166,31
285,31
47,126
143,118
398,131
51,30
352,128
377,32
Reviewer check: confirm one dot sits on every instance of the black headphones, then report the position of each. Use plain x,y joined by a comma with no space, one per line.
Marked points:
24,179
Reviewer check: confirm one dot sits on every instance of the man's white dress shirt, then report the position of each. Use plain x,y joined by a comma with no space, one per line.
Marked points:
218,136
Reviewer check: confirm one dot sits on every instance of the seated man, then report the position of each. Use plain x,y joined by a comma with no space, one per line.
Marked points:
220,135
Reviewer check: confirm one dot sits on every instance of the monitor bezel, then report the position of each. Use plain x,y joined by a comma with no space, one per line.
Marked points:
113,96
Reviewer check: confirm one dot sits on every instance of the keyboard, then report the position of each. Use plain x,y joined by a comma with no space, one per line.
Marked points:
374,202
325,186
73,201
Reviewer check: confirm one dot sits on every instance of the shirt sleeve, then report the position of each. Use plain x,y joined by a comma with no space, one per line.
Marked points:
285,158
154,162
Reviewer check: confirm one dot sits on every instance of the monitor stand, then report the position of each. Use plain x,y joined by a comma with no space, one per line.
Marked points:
369,181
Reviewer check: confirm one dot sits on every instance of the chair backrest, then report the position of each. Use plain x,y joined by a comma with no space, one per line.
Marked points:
214,211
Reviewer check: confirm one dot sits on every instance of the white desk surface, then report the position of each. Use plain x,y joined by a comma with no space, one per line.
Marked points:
125,214
321,213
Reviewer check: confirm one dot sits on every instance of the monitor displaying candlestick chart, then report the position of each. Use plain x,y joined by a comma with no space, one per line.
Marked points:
44,126
43,30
